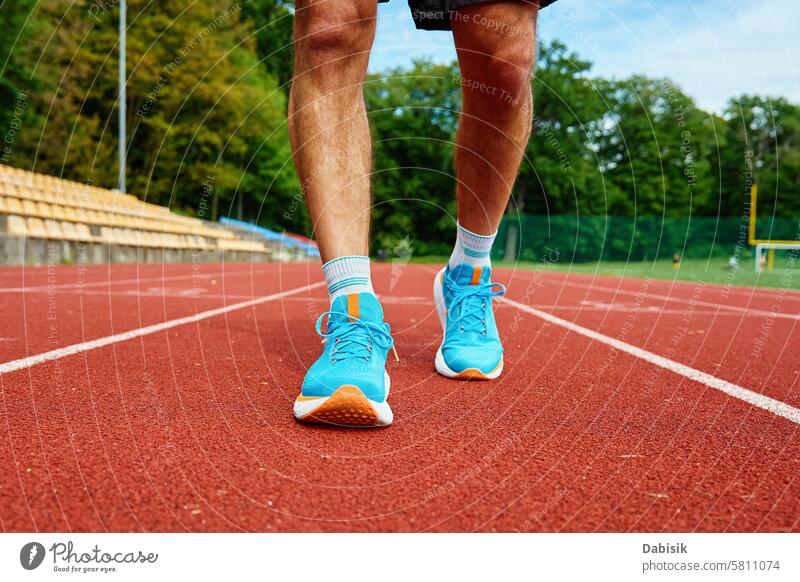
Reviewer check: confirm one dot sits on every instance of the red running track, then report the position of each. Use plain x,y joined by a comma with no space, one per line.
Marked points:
190,427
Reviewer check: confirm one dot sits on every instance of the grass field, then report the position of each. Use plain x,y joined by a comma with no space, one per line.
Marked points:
712,271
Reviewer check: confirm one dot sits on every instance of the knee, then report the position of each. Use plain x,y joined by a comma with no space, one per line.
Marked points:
495,67
513,73
508,72
333,31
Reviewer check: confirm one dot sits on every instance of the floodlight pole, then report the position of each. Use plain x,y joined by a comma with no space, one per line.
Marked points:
123,10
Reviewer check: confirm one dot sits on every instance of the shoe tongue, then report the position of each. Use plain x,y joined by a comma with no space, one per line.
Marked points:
364,306
465,274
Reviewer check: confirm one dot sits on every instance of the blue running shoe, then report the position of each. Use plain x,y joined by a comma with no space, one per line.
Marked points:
471,348
348,384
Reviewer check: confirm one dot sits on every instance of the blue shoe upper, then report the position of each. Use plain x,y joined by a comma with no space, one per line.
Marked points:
471,339
356,343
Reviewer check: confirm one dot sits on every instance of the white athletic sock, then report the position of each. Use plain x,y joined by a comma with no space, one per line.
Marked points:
472,249
346,275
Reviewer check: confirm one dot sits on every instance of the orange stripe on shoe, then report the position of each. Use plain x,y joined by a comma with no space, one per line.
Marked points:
352,305
476,275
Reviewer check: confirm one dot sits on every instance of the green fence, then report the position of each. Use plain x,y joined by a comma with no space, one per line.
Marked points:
620,238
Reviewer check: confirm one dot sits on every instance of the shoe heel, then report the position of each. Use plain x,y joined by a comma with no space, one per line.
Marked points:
348,406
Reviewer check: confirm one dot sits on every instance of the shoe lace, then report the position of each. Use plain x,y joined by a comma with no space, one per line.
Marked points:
468,304
354,337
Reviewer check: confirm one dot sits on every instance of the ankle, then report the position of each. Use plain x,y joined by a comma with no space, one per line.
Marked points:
471,248
347,275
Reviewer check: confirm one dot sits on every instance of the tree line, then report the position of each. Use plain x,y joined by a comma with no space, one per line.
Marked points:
207,89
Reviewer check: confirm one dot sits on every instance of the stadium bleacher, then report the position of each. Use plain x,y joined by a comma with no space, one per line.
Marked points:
45,218
283,240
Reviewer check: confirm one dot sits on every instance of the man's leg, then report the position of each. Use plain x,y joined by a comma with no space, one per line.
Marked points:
328,122
348,384
495,43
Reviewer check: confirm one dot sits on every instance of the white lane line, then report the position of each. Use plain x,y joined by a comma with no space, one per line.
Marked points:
124,336
747,310
76,286
764,402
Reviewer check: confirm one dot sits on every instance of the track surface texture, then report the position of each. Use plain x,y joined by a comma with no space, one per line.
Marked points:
187,426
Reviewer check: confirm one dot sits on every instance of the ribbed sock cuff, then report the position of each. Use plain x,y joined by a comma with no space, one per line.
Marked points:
471,248
350,274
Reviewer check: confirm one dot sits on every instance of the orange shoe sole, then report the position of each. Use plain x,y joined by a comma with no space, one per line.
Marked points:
347,406
471,374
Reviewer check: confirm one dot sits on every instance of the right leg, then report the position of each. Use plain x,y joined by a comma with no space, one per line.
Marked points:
328,122
348,384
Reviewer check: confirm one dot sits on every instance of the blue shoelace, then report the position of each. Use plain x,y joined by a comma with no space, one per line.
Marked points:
353,337
467,303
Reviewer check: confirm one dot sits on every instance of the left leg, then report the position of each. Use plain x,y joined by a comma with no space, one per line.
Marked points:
495,43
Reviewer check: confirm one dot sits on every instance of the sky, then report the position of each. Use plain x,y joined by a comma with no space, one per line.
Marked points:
712,49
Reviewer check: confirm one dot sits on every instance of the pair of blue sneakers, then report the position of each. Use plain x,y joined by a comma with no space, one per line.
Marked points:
348,385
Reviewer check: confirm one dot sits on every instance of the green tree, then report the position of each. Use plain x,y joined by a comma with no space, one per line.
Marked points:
200,106
561,173
413,117
658,150
273,22
763,140
17,80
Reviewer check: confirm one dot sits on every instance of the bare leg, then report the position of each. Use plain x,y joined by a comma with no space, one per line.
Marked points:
328,123
495,43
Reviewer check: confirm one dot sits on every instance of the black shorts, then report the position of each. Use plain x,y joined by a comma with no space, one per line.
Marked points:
435,14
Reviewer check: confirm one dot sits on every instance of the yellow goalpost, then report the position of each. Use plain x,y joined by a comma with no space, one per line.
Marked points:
762,245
